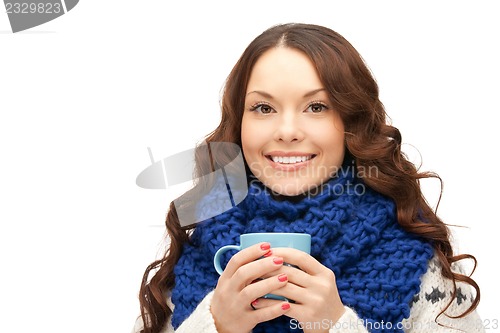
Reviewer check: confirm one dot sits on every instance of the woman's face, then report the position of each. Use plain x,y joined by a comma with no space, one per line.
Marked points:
292,139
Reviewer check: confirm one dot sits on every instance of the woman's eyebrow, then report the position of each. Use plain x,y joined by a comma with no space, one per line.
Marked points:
259,92
314,92
267,95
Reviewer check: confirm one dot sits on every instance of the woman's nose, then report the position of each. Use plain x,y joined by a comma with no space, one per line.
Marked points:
288,128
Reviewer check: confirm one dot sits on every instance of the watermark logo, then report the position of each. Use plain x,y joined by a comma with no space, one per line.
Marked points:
24,15
221,185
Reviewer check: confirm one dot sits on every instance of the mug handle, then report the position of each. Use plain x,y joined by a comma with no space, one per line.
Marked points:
220,252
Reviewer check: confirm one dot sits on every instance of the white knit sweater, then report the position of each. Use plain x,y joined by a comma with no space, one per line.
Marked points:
434,295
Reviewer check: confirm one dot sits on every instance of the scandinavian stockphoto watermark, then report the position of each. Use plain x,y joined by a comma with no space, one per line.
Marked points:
26,14
312,175
217,174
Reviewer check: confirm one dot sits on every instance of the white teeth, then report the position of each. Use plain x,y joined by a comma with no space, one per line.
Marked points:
290,159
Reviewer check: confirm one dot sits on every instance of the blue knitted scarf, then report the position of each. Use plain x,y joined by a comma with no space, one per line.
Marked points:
353,231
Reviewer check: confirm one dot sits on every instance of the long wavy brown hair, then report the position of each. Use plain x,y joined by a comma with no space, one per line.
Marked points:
369,139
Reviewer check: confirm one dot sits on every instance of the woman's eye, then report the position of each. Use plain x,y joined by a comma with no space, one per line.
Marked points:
316,108
262,108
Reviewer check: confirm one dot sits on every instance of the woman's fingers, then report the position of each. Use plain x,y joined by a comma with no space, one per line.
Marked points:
246,256
301,259
261,303
253,270
262,287
292,292
270,312
296,276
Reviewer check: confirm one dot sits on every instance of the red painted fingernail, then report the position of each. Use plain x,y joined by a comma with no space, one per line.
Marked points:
265,246
278,260
285,306
268,253
282,277
254,303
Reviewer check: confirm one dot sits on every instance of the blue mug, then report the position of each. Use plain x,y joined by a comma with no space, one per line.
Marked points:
297,241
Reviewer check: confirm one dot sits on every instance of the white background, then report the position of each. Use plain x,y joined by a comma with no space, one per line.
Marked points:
83,96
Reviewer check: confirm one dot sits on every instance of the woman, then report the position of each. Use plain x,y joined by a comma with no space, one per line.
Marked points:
320,159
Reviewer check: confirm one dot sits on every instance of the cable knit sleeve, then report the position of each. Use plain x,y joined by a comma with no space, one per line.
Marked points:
348,323
435,293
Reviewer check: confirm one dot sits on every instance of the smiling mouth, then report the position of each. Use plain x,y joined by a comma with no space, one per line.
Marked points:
290,159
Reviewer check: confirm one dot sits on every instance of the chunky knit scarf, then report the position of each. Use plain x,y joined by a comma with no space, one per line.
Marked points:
353,231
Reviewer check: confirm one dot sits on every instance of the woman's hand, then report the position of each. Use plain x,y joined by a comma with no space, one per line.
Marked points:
312,287
236,290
